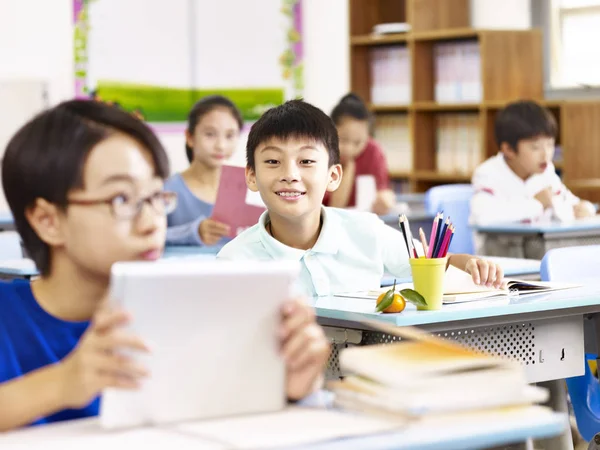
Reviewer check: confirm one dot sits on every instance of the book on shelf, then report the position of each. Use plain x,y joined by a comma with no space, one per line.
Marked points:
393,134
458,146
422,376
457,71
390,75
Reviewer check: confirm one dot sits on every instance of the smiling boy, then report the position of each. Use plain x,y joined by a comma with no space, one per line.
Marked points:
293,159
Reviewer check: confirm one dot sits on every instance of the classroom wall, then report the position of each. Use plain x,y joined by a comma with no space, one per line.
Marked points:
36,42
326,51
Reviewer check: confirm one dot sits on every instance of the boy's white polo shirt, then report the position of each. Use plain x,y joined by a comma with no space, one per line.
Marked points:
352,252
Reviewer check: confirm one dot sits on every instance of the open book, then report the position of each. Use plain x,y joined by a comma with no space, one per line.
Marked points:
459,287
422,375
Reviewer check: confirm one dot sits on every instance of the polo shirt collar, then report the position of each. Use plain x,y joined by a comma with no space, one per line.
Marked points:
328,241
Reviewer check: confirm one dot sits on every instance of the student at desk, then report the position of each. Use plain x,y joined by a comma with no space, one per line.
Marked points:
293,158
84,181
360,155
213,131
520,182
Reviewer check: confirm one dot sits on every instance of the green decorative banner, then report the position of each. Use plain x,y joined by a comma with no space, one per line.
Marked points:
162,104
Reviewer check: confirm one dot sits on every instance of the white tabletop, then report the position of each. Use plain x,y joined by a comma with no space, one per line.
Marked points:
331,433
551,304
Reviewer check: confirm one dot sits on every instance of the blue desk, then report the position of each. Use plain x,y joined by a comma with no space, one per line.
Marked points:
6,221
417,219
533,240
178,251
544,332
25,268
528,269
458,435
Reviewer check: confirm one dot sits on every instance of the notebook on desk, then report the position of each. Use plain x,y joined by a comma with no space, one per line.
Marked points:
214,350
459,287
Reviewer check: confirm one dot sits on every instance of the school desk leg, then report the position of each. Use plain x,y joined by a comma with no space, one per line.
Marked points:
558,402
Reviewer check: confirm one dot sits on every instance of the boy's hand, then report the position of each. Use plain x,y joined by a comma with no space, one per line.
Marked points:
304,348
384,201
211,231
545,197
584,209
485,272
96,363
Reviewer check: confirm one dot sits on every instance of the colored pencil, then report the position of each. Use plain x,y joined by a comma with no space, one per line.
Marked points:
403,229
440,239
450,241
444,244
432,237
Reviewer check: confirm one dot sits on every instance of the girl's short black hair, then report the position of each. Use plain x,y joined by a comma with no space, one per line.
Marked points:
46,157
523,120
294,119
203,107
351,105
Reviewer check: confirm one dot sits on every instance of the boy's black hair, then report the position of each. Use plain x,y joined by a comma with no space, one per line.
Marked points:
521,120
46,157
350,105
203,107
294,119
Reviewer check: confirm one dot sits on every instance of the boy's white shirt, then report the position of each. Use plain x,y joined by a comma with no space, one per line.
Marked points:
501,196
351,254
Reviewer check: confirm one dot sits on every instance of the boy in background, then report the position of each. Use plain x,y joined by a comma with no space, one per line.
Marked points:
520,183
293,159
84,182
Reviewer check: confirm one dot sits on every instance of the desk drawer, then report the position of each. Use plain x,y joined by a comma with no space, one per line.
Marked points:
549,349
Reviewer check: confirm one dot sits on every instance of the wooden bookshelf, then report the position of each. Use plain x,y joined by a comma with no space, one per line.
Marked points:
369,39
510,68
389,108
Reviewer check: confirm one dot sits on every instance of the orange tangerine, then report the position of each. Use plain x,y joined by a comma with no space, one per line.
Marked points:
397,305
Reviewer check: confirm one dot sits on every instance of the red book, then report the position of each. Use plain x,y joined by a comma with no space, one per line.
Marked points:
231,207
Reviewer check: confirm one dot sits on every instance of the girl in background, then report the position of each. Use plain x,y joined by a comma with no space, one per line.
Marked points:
360,155
212,135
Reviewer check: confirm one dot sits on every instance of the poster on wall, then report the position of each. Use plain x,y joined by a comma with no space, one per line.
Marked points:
157,58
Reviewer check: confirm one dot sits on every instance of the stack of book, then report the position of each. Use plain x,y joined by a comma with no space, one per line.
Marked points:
457,72
422,377
458,143
392,132
390,75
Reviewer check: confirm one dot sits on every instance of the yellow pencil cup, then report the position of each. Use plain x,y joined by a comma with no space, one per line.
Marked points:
428,279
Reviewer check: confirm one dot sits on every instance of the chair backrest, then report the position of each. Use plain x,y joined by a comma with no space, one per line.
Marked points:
567,264
455,201
10,245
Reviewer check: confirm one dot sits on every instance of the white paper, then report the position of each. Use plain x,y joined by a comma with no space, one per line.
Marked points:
366,192
294,426
75,436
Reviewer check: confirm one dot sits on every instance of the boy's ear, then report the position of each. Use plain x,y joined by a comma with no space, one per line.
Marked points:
508,151
44,217
251,179
335,177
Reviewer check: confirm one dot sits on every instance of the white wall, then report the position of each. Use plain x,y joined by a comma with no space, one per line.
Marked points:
505,14
36,42
326,51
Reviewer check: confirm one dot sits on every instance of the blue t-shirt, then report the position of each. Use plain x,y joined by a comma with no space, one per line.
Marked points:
30,338
183,223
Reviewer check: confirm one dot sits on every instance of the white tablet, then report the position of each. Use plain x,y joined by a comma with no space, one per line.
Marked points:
212,329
